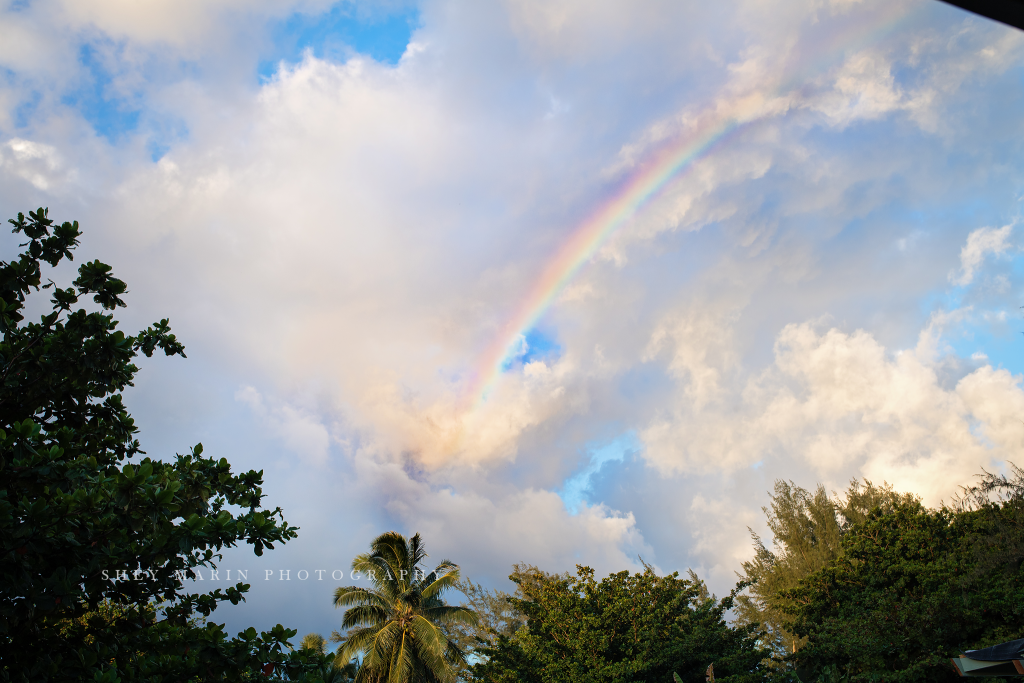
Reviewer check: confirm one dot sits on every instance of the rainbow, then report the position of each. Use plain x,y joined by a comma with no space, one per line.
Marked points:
665,166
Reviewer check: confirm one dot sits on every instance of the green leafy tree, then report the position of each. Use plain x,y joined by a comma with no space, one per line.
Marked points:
626,627
911,588
495,615
496,612
807,529
398,626
93,535
1001,499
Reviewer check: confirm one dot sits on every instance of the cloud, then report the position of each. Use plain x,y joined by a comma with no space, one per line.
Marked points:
864,89
38,163
980,243
302,433
841,403
175,23
576,488
345,239
528,526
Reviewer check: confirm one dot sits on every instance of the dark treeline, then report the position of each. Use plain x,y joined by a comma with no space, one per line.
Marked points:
869,585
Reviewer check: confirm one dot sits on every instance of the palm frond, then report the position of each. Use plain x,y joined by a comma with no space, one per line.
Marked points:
402,663
454,654
380,572
431,648
385,640
451,614
370,616
445,565
393,547
441,583
348,596
356,641
398,624
428,635
417,552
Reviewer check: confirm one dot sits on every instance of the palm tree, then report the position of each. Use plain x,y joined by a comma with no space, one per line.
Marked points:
397,625
314,642
329,668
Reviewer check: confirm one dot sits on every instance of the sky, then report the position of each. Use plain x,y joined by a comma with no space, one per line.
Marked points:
549,281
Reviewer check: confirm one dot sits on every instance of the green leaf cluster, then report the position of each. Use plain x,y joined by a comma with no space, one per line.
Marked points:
93,534
807,529
911,588
496,615
327,667
626,627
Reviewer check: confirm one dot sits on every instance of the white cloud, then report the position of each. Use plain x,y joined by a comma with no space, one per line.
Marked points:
715,520
864,89
840,404
360,233
38,163
177,22
980,243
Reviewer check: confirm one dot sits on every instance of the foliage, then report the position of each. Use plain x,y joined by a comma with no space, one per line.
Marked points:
808,529
314,642
327,668
627,627
1001,499
398,625
86,521
911,588
496,613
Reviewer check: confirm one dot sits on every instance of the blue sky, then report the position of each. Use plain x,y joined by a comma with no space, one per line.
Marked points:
338,33
339,206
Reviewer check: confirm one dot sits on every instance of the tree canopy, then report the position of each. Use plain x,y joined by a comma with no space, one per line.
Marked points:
912,587
807,530
497,615
97,539
626,627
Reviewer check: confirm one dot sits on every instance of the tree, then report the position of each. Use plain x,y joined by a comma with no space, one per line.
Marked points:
314,642
626,627
496,613
398,625
328,667
96,540
807,529
1001,499
910,588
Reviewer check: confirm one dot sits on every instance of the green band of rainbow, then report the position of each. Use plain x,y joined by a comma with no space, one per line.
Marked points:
668,164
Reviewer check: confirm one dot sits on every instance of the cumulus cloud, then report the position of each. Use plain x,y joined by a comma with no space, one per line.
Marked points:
359,233
840,403
980,243
40,164
864,88
529,525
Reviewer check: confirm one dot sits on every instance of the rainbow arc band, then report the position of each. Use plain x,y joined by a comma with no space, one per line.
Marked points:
718,125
